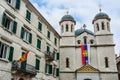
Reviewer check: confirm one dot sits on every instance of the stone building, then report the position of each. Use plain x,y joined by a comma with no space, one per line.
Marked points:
100,60
23,28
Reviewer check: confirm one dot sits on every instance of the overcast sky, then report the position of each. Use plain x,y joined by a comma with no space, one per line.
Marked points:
83,12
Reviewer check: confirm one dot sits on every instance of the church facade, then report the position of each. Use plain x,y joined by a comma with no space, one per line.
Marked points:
72,55
98,61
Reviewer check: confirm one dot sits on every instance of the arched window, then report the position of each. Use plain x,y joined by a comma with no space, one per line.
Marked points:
78,41
103,27
108,26
106,62
67,63
67,27
72,28
97,27
85,39
62,29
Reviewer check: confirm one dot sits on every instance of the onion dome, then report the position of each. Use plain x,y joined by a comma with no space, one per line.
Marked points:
67,18
101,15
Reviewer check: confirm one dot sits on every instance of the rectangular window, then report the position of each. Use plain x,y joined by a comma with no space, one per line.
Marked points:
55,41
37,65
38,43
40,26
6,52
57,72
48,34
14,3
9,23
28,15
57,56
48,48
50,69
26,35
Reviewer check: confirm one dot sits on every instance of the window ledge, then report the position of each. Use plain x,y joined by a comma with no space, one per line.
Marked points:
11,6
5,60
7,30
40,31
26,41
38,49
27,20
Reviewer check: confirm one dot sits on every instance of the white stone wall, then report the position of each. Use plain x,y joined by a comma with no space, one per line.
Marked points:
108,76
67,53
103,52
67,76
19,44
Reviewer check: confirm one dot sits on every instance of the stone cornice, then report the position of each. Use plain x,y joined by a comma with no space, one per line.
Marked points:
76,46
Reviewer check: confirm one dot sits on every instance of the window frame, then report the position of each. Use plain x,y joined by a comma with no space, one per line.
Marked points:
9,23
5,51
39,40
26,35
28,15
15,4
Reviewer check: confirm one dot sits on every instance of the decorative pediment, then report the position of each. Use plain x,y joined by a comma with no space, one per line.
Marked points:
87,68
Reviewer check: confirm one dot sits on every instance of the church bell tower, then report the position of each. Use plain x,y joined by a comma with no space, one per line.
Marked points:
104,42
67,47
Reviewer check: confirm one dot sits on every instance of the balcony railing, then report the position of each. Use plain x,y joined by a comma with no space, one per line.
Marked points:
49,56
18,67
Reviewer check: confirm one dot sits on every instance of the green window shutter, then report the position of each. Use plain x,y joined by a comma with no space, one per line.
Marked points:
38,43
22,32
55,41
57,56
48,35
11,54
14,27
23,64
46,66
50,69
57,72
17,4
48,49
28,15
40,26
37,64
30,38
3,19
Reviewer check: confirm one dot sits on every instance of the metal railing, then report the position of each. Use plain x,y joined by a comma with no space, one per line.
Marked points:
49,56
28,69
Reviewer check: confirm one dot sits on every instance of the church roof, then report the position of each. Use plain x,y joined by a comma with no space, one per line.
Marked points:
80,31
67,18
101,15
